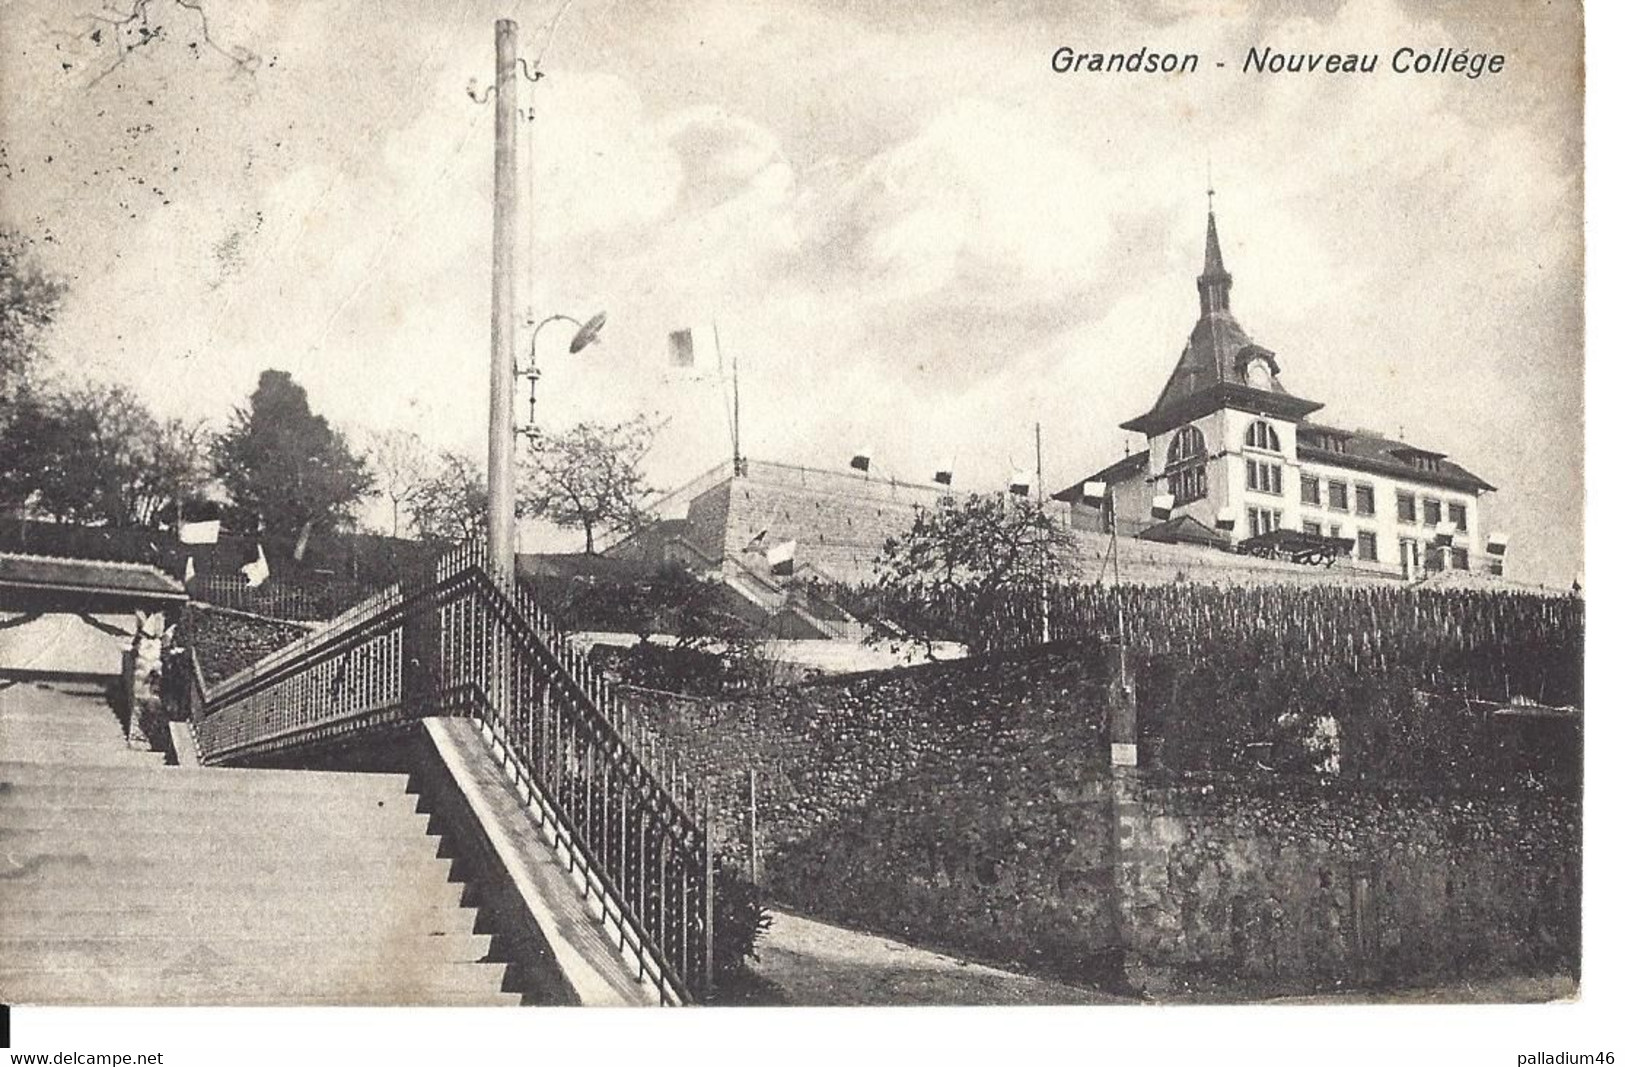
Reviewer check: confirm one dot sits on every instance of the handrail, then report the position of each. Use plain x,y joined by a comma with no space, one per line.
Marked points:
464,641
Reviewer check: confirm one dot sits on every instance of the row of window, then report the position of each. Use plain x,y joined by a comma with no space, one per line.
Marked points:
1365,548
1432,511
1365,502
1187,480
1337,495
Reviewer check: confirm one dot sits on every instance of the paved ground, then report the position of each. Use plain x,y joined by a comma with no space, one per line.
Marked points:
807,962
1487,991
816,963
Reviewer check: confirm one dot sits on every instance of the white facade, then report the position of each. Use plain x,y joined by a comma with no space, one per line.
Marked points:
1317,496
1238,455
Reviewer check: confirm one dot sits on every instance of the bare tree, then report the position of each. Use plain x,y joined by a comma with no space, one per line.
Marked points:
402,465
450,504
29,298
955,562
149,23
590,477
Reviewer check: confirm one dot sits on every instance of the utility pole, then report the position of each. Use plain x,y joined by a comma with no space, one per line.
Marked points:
499,517
1038,460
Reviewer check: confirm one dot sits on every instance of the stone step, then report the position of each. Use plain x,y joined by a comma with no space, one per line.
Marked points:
316,821
70,952
48,696
216,918
108,890
74,865
185,847
124,797
441,983
59,736
206,779
80,754
68,727
75,715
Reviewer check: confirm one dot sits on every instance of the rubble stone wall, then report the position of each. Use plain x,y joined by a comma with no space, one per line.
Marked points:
970,806
1284,884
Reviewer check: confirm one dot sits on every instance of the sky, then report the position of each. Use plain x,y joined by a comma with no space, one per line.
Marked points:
910,231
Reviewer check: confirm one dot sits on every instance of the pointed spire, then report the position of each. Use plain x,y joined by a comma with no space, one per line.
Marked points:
1214,283
1213,264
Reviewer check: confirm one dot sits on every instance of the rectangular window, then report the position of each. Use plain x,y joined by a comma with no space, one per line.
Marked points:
1335,531
1263,520
1458,515
1497,567
1309,489
1407,507
1337,496
1366,545
1365,500
1430,512
1264,477
1433,558
1458,558
1311,527
1187,484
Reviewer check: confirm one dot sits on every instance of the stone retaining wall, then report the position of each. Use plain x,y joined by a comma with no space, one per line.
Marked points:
970,806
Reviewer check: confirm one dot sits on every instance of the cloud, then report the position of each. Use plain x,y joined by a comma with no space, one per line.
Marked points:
907,227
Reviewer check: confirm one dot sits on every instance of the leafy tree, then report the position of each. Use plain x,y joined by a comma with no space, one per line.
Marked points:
962,555
29,300
33,456
402,467
449,504
590,477
282,461
97,454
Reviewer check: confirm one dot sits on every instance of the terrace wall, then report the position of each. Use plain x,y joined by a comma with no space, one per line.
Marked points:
971,806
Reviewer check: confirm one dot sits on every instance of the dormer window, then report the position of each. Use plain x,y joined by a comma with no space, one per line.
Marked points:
1262,435
1420,459
1326,442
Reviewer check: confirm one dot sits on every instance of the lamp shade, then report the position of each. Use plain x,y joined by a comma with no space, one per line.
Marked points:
588,333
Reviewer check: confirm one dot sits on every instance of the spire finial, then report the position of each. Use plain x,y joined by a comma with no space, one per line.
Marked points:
1214,282
1210,184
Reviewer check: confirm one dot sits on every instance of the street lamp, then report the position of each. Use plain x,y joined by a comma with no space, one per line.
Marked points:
586,334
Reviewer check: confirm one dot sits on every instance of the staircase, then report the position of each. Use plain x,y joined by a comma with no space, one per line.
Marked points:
123,881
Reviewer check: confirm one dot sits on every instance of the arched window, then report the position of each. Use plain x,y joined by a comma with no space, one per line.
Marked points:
1188,444
1262,435
1187,465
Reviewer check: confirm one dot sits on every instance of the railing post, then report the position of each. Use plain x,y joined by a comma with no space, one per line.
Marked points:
710,902
755,853
1121,700
420,666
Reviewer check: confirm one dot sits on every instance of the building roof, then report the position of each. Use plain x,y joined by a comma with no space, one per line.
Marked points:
1363,450
1125,468
136,582
1182,529
1212,370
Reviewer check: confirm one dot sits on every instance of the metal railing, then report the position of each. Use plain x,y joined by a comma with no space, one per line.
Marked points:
280,598
462,641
